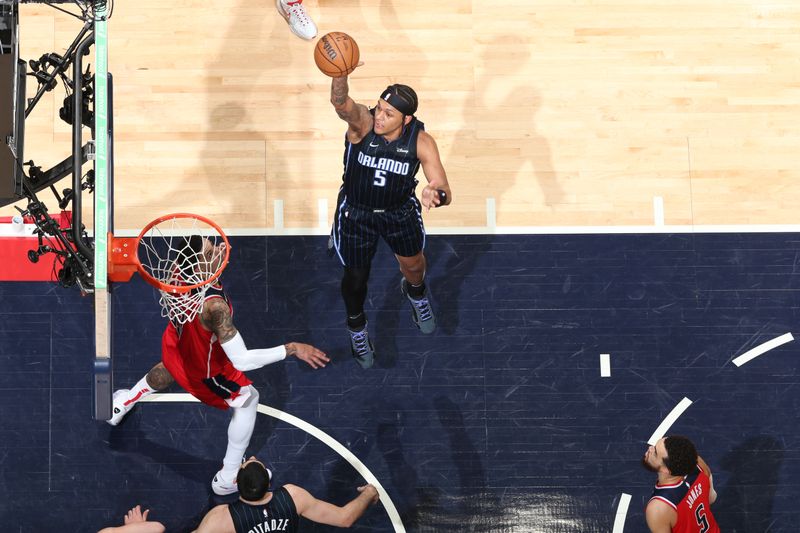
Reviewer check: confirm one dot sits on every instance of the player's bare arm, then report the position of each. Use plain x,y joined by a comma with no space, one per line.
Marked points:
217,520
659,517
712,496
216,317
357,116
428,154
314,357
325,513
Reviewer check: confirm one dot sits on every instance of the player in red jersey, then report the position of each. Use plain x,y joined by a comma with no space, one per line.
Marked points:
681,501
207,357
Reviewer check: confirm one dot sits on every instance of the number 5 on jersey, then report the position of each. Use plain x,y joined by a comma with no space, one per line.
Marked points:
380,178
700,518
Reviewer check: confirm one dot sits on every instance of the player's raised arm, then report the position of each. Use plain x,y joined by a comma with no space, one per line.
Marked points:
356,115
216,316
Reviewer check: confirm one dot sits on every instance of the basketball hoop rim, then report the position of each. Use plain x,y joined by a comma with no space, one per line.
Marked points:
180,289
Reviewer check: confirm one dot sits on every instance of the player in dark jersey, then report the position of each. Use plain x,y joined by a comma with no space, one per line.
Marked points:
384,148
681,501
259,510
207,357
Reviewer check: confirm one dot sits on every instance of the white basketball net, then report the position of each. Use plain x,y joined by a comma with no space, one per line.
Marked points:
181,252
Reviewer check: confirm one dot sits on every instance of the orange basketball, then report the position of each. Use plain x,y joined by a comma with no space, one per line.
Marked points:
336,54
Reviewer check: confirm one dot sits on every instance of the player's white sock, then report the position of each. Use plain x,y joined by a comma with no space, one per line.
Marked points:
243,420
137,392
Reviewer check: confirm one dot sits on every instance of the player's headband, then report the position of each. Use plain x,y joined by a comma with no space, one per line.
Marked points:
401,97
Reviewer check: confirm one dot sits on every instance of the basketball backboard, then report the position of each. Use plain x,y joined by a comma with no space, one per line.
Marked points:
103,219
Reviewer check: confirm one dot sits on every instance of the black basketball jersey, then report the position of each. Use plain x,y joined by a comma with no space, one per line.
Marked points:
279,514
380,174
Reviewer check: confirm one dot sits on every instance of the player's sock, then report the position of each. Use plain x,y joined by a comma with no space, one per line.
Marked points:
357,322
137,392
416,291
240,430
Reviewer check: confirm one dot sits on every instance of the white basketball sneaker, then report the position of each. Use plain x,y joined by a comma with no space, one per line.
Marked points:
222,487
119,409
297,18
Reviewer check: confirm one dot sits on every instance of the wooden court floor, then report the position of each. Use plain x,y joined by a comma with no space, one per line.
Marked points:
552,115
559,113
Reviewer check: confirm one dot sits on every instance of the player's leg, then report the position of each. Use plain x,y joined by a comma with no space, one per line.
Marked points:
405,235
413,288
297,18
240,429
354,293
124,399
355,241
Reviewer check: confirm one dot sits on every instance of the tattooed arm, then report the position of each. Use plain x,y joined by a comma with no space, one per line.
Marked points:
217,317
357,116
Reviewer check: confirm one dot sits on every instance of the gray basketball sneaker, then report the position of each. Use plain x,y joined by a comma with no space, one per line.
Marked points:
361,346
421,311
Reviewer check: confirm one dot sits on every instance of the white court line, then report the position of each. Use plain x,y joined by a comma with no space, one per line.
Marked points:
761,348
622,513
508,230
491,214
605,365
332,443
322,220
669,420
277,214
658,211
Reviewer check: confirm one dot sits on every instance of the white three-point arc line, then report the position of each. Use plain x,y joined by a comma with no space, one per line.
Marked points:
762,348
314,431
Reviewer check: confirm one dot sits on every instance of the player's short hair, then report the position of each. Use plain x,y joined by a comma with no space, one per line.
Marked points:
401,97
253,481
190,250
681,455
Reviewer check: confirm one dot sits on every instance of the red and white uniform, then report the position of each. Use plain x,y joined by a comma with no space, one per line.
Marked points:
689,498
194,357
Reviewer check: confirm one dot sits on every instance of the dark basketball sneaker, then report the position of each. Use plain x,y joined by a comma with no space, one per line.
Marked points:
362,348
421,311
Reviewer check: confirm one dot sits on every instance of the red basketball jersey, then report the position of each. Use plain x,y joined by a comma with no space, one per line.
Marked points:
195,358
689,498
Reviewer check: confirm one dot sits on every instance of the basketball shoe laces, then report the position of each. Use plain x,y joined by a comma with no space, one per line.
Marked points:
423,307
360,341
298,10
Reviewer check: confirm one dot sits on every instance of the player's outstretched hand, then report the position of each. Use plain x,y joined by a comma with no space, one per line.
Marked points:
371,492
136,515
431,198
315,357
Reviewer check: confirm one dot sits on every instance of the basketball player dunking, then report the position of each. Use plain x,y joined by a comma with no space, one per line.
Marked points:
207,356
384,148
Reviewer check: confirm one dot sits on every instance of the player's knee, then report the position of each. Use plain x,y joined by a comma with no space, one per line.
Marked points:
354,280
415,266
253,394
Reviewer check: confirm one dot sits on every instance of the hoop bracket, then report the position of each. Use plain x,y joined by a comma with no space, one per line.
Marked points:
122,261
